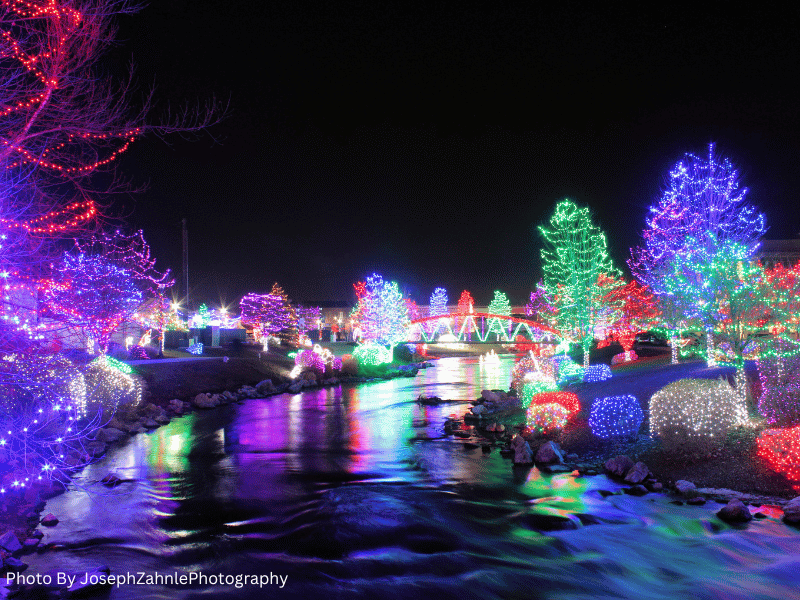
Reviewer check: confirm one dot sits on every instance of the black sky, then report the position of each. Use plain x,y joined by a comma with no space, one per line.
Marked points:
426,143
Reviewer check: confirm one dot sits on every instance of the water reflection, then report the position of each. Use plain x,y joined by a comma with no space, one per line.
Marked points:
355,492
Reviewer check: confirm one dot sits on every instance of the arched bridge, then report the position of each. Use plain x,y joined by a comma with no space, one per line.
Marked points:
479,326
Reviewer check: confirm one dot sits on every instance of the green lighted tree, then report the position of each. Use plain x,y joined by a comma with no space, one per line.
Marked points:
499,306
573,260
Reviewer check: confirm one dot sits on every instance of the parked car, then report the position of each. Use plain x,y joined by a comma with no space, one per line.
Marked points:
650,338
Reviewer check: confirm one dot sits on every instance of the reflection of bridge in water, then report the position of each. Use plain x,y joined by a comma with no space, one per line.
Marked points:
479,326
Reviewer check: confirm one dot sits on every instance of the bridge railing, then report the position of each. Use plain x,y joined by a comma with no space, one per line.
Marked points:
482,325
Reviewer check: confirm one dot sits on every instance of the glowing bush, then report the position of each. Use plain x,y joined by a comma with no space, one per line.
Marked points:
42,410
595,373
310,360
568,400
372,355
523,367
621,357
536,383
137,353
111,384
559,360
569,372
547,417
196,349
615,416
695,411
781,449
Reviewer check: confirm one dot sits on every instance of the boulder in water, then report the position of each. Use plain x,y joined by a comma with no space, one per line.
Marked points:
9,541
618,466
735,512
686,488
549,453
637,473
791,511
523,455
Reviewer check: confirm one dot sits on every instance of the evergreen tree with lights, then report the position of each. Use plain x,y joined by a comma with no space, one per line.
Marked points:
466,306
574,258
499,306
287,317
438,302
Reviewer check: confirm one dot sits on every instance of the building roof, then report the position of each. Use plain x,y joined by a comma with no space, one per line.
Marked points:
779,247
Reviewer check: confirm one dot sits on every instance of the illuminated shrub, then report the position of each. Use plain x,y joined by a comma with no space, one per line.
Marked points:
567,400
621,357
137,353
536,383
780,448
565,370
372,355
595,373
695,411
523,367
547,417
111,384
311,360
615,416
42,410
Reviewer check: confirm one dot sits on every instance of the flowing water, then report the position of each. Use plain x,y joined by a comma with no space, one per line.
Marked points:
355,492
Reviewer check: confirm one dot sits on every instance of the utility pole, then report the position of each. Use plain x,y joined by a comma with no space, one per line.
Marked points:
185,233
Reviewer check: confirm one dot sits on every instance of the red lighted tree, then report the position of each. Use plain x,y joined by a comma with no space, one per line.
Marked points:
782,300
61,118
634,309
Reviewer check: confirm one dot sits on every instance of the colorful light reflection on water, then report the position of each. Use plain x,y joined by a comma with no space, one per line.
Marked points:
356,492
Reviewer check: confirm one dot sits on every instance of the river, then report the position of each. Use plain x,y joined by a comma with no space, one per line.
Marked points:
355,492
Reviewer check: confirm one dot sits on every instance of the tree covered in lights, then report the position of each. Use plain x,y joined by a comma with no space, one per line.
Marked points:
438,302
94,294
574,258
308,317
724,292
783,298
499,306
383,312
259,310
635,309
286,317
465,307
703,212
540,307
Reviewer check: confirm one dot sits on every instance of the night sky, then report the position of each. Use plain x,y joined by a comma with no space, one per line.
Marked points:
428,143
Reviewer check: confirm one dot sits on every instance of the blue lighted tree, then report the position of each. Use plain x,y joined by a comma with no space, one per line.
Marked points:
383,312
438,302
701,213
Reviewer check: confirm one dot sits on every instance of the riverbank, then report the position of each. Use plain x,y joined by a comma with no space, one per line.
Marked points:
177,386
